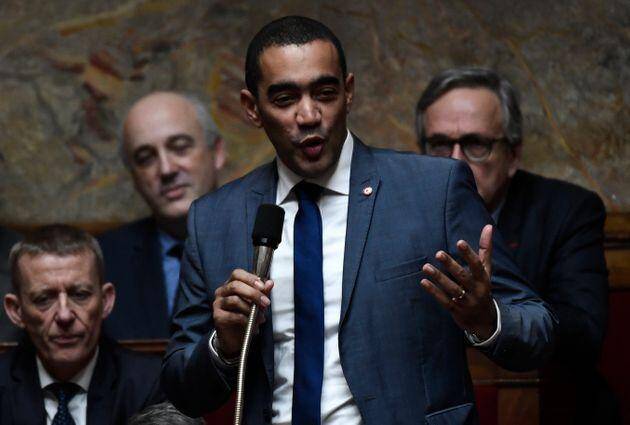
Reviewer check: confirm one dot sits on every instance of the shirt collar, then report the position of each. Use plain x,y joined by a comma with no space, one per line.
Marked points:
82,379
336,180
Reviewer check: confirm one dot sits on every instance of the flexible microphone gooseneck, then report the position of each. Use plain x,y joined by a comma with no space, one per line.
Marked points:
266,236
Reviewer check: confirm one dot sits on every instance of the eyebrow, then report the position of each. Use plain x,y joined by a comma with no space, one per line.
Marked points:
178,136
290,85
444,136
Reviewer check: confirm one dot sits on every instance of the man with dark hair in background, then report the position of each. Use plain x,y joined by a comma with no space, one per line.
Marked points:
8,331
356,326
65,371
553,228
173,150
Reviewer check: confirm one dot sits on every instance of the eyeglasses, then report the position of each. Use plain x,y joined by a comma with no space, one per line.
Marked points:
475,148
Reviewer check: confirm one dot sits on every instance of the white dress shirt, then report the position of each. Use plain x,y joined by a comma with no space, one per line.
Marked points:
337,404
78,404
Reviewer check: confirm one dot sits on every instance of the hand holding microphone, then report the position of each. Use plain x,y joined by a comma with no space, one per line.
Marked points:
234,300
232,304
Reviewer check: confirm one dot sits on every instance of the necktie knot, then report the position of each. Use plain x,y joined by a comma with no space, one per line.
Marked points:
176,251
306,191
64,391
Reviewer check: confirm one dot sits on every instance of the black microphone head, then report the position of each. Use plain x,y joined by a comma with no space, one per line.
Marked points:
268,226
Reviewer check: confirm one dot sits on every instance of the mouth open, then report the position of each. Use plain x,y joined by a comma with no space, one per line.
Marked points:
312,147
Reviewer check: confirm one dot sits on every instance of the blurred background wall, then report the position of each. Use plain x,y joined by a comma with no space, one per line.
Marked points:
69,69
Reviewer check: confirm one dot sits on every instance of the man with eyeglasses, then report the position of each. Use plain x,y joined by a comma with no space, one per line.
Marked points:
554,229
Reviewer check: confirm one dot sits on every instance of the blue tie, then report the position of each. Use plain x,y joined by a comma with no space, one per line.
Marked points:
308,287
64,391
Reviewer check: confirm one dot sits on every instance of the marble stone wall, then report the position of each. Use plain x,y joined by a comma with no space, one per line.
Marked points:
69,69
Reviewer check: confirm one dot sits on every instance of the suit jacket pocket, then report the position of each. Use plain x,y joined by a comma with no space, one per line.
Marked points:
456,415
402,270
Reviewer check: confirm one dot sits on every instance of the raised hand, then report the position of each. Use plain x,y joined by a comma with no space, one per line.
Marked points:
467,294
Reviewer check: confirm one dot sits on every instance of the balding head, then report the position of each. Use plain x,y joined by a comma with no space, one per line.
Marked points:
173,151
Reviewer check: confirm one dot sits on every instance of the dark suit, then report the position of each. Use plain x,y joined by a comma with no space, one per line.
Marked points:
133,263
8,331
123,383
402,354
556,232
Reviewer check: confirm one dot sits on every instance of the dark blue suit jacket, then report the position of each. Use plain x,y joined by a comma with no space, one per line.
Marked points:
133,263
402,354
556,233
123,384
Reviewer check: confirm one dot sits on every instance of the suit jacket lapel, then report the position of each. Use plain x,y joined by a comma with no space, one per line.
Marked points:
263,191
100,408
364,183
511,216
28,397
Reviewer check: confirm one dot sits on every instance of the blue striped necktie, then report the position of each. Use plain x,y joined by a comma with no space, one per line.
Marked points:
308,287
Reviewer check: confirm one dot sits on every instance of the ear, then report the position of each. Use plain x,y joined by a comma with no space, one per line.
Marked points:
349,87
13,308
219,153
109,298
517,153
250,106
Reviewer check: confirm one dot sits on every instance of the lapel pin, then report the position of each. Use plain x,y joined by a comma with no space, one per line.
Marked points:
367,191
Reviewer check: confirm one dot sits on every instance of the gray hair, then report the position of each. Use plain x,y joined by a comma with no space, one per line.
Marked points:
163,414
56,239
473,78
208,126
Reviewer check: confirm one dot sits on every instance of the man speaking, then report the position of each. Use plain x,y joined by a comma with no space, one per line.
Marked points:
359,324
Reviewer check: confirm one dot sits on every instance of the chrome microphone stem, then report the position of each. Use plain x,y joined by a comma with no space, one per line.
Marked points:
262,262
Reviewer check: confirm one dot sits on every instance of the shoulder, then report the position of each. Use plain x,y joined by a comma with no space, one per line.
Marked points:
16,359
233,193
410,164
553,192
133,365
127,232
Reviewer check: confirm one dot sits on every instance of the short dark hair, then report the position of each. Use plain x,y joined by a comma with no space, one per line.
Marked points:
55,239
290,30
474,78
163,414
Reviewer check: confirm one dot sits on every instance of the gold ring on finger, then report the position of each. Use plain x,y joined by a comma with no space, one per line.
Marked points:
460,296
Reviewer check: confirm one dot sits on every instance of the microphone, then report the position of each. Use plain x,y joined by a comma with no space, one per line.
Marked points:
266,236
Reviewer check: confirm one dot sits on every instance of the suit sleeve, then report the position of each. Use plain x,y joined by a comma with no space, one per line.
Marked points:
527,324
191,378
578,282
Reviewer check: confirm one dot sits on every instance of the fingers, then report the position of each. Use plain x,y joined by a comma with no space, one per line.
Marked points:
472,259
485,248
450,290
242,290
461,275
